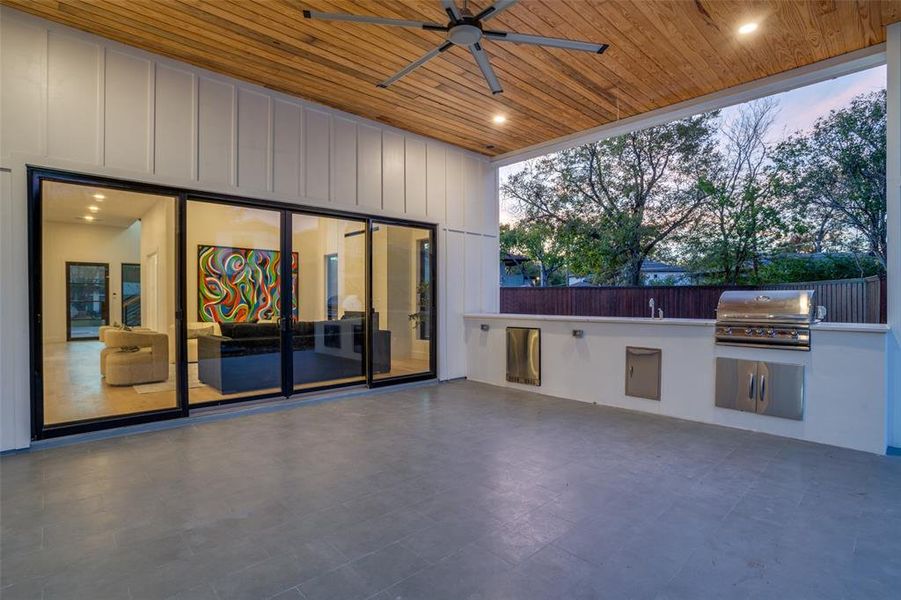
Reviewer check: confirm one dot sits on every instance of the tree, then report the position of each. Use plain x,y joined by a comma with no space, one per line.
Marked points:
717,194
836,174
541,243
620,198
788,268
740,218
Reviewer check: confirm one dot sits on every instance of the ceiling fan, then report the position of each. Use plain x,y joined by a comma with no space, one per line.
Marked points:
463,29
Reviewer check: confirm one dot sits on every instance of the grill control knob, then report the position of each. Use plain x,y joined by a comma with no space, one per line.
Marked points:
727,331
794,334
749,331
759,332
771,332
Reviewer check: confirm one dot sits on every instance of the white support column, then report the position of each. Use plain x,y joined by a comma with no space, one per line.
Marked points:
893,201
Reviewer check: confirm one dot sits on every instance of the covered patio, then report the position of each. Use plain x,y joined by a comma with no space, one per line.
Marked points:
293,208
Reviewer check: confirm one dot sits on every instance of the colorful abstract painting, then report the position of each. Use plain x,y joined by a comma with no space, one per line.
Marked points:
240,284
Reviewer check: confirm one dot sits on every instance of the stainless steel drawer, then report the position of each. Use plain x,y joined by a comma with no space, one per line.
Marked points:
643,372
524,355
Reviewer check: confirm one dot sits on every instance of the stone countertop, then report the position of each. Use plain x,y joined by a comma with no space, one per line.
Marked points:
844,327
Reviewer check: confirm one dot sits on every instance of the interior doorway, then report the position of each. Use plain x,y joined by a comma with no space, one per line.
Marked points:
131,294
87,299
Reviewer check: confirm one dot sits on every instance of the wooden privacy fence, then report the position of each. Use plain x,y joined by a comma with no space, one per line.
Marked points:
846,300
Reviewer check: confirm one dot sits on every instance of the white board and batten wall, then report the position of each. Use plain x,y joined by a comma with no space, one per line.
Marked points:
73,101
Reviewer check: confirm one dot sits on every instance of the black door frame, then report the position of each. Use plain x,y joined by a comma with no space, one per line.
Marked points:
106,300
37,174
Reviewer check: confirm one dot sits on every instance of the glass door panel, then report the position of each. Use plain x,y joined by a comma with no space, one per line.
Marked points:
328,333
103,355
402,295
233,301
131,294
87,291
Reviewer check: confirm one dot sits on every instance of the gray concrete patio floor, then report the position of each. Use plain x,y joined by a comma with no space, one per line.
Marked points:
454,491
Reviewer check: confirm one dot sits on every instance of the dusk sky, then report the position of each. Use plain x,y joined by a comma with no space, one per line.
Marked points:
798,109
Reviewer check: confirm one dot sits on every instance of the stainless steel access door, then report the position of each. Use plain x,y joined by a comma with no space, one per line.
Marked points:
524,355
780,390
736,384
643,372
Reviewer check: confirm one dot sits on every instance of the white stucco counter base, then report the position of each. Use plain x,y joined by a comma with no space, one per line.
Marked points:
845,376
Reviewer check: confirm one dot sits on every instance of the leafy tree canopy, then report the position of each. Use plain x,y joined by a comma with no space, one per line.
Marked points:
712,194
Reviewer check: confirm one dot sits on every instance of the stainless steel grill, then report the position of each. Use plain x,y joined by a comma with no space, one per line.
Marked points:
766,318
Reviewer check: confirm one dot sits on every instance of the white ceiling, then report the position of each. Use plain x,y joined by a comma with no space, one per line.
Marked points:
68,203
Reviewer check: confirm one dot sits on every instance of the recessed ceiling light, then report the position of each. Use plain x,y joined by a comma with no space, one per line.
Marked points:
99,196
93,209
498,119
747,28
88,218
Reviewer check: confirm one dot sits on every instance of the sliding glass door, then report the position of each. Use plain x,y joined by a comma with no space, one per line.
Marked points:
148,302
403,323
328,333
234,302
261,325
104,337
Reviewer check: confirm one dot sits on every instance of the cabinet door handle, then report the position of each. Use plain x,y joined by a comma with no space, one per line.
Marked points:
762,387
631,370
751,386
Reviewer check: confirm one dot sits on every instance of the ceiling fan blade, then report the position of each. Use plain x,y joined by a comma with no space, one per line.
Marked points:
416,63
495,9
537,40
312,14
451,9
485,65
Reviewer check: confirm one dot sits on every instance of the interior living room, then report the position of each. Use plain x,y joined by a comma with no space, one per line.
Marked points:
253,338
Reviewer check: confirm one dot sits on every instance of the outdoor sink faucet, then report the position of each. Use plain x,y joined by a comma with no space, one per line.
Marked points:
652,304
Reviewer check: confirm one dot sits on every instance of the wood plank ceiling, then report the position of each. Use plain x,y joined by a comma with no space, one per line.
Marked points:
660,53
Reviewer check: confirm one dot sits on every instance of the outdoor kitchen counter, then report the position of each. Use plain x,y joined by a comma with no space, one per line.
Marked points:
852,327
844,371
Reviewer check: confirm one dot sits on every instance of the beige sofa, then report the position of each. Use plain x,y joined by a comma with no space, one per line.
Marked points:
148,364
195,330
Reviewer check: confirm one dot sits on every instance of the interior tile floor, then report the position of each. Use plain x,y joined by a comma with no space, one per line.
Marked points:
454,491
75,391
